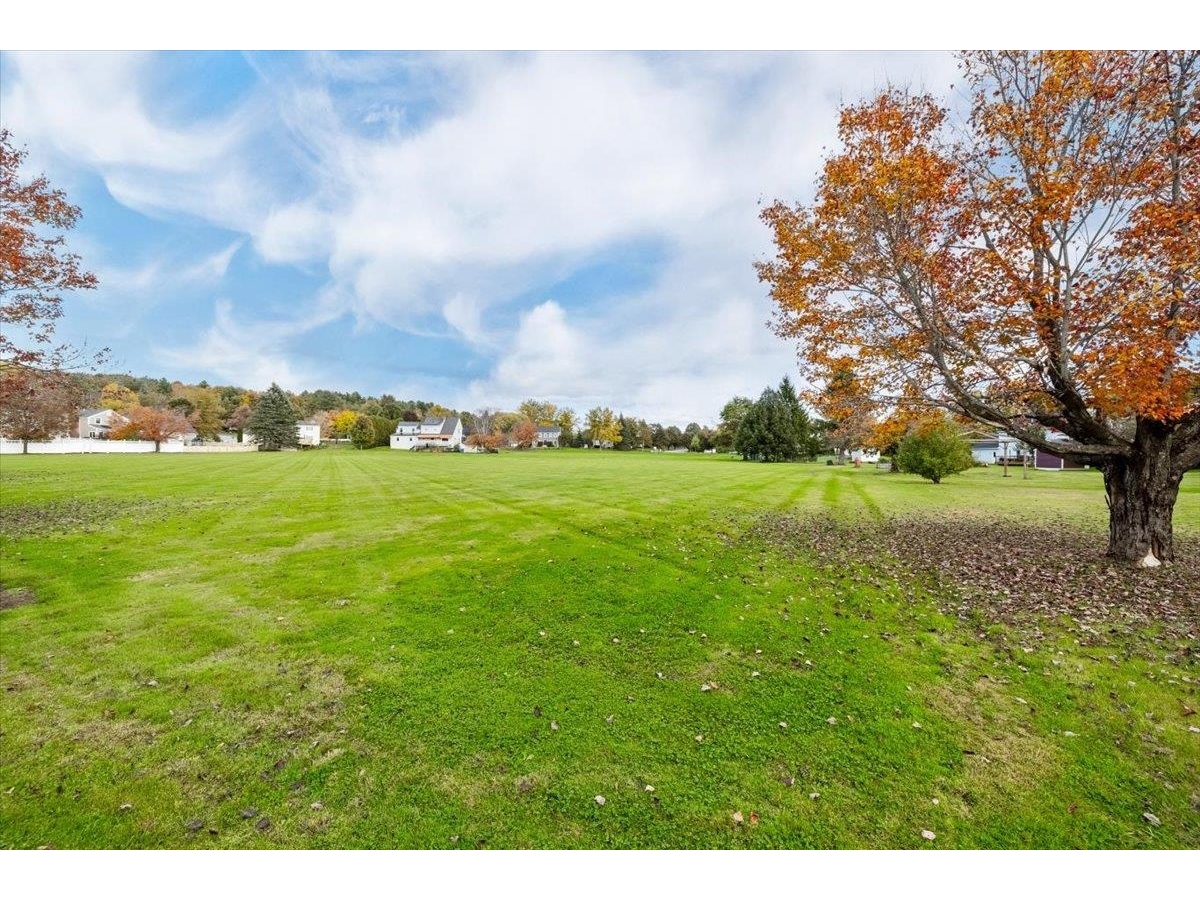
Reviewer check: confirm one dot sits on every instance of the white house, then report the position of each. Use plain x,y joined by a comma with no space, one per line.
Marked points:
992,448
547,436
96,423
864,455
405,436
310,433
435,432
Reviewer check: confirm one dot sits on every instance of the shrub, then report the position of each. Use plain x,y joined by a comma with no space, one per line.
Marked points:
371,431
934,451
489,443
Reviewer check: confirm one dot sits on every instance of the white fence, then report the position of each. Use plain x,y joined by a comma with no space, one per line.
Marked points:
95,445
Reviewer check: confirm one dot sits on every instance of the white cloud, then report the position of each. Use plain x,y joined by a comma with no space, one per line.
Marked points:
250,354
549,357
293,234
556,157
100,116
464,314
155,275
92,109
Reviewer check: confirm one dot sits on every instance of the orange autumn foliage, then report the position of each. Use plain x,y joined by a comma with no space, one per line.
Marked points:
36,268
524,434
1034,268
148,424
1050,253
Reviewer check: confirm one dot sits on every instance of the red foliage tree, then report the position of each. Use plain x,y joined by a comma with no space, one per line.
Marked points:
491,442
148,424
35,267
524,433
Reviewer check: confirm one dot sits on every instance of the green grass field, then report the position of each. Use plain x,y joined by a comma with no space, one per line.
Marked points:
383,649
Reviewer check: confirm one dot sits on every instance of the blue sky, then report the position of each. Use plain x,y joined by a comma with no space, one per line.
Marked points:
467,228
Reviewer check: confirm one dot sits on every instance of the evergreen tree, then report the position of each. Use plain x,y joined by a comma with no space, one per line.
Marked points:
776,428
806,442
273,421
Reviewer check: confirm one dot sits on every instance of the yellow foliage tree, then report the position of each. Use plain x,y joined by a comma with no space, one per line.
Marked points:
118,397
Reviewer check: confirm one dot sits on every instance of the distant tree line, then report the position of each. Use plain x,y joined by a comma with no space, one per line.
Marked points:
773,428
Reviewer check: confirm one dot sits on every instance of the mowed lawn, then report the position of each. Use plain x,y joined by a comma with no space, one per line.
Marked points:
382,649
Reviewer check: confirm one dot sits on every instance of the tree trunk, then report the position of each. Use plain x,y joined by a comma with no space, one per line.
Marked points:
24,445
1141,493
156,446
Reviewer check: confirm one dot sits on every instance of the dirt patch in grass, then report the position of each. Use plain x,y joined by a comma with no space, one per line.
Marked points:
1001,754
59,517
86,515
1009,572
10,598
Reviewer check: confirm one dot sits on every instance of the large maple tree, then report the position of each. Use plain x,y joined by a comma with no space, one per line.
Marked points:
1032,266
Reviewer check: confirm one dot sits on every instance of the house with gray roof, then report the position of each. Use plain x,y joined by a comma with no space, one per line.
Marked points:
435,432
547,436
96,423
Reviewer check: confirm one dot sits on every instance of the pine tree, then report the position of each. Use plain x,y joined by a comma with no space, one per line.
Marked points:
273,421
776,428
